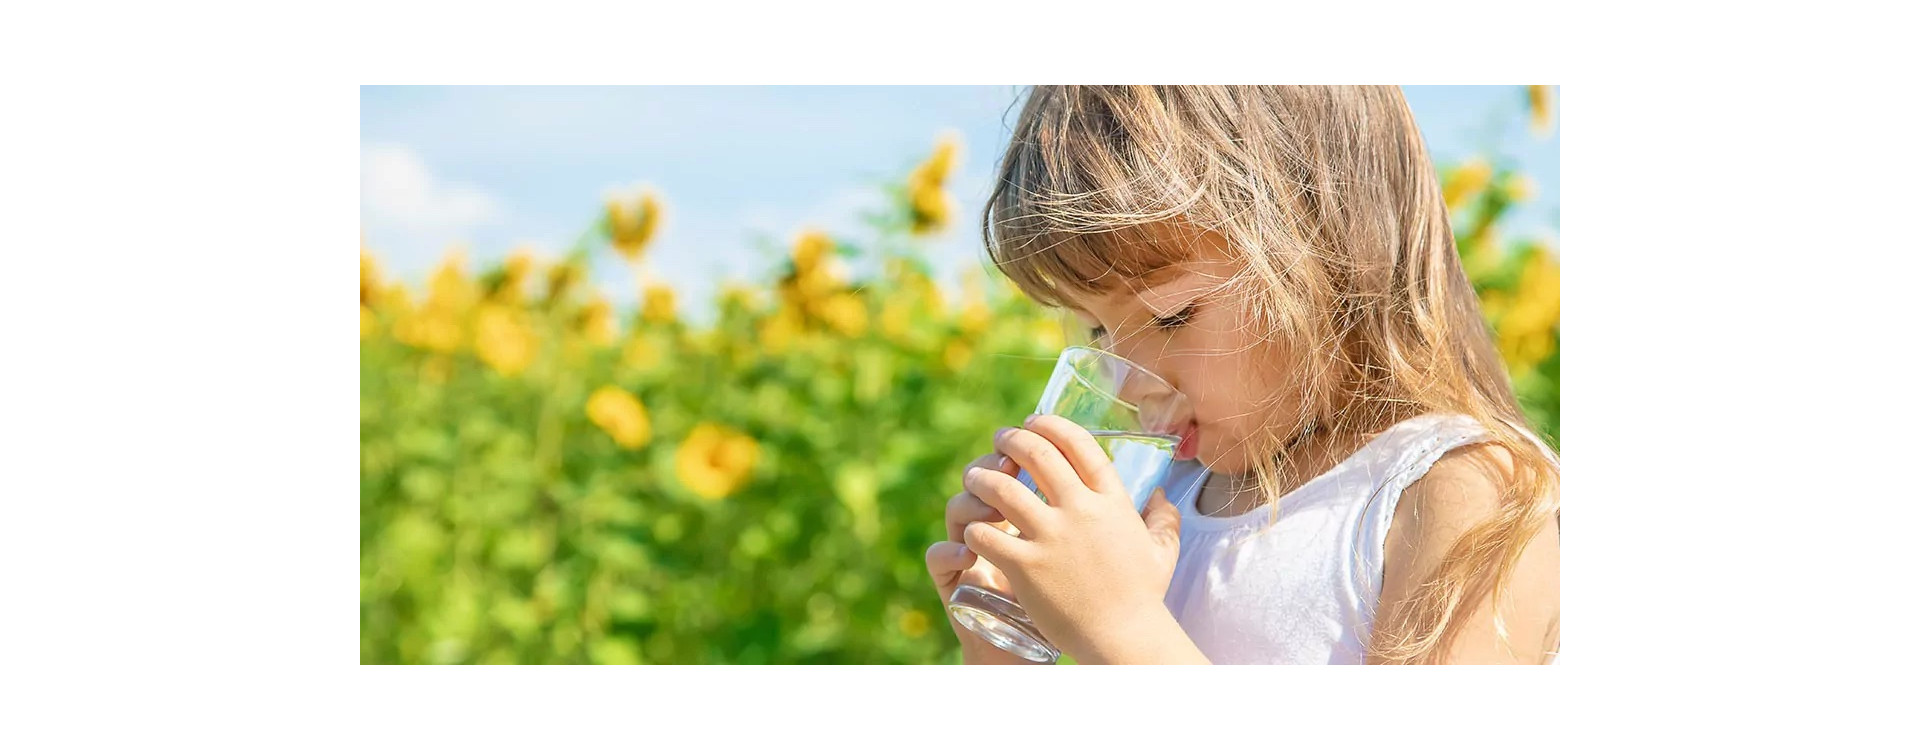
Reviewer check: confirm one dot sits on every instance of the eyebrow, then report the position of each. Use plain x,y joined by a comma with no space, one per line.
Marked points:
1152,281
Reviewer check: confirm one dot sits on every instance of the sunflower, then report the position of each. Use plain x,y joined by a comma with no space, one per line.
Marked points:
436,326
520,263
631,224
657,308
809,250
620,415
931,209
1529,318
957,355
817,271
913,623
1466,180
561,279
504,339
596,322
449,288
715,461
974,318
434,329
928,204
1518,187
510,283
845,313
783,329
369,279
1540,107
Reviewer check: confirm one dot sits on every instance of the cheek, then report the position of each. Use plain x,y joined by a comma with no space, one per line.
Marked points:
1236,386
1227,374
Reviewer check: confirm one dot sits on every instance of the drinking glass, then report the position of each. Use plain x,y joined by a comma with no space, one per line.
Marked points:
1132,413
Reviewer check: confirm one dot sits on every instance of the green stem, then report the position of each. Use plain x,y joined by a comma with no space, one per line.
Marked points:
548,431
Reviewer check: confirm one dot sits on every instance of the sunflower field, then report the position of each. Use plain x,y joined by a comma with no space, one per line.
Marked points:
545,478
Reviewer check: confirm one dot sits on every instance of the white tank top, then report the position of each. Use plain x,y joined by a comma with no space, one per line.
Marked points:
1301,590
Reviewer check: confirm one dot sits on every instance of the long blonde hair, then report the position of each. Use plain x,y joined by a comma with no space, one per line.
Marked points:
1328,199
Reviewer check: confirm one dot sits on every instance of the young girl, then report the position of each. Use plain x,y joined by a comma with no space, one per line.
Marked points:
1361,486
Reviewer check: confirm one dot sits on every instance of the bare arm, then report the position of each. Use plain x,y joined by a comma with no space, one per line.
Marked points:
1459,492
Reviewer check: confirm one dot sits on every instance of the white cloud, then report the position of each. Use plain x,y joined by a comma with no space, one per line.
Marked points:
398,191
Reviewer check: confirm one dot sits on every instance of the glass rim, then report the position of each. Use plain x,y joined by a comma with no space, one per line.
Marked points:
1136,366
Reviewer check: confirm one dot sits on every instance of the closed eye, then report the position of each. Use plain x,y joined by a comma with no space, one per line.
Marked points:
1177,319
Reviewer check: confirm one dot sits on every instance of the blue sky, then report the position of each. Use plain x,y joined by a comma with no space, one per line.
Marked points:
492,168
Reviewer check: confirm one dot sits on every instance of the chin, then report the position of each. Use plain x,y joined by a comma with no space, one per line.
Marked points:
1214,461
1211,457
1216,466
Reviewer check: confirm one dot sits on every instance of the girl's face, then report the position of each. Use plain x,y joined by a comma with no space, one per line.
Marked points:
1192,329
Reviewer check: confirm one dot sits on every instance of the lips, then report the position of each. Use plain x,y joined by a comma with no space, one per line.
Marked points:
1189,446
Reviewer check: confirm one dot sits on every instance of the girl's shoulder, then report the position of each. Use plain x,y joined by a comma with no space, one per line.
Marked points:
1451,462
1462,489
1412,446
1465,480
1456,479
1461,442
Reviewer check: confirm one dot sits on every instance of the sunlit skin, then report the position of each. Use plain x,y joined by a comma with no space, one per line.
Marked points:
1192,336
1191,328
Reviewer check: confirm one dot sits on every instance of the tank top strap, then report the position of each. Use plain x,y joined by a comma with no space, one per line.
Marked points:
1402,457
1420,442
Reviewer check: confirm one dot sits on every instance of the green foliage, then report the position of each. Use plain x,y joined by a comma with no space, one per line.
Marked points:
782,473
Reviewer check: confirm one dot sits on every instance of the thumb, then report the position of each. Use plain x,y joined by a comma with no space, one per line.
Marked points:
1163,519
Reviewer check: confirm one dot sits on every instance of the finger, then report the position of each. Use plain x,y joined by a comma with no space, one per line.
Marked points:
1003,550
997,462
1051,471
1015,502
964,509
1095,468
946,561
1162,518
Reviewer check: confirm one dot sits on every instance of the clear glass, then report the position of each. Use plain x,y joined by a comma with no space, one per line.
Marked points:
1132,413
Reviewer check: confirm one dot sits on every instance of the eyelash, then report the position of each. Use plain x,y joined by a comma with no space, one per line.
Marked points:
1172,321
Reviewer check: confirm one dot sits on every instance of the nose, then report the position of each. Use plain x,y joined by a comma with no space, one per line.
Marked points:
1163,408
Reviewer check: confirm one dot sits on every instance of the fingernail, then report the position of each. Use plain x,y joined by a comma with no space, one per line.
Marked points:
1030,419
999,432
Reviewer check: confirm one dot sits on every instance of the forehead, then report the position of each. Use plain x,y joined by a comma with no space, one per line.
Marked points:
1213,264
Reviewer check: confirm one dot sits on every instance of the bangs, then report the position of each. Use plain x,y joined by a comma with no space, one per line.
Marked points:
1096,192
1061,268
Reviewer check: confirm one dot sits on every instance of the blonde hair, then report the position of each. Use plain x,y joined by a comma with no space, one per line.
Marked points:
1328,201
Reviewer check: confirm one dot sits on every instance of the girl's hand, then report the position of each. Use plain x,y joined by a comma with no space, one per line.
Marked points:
1088,568
951,563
